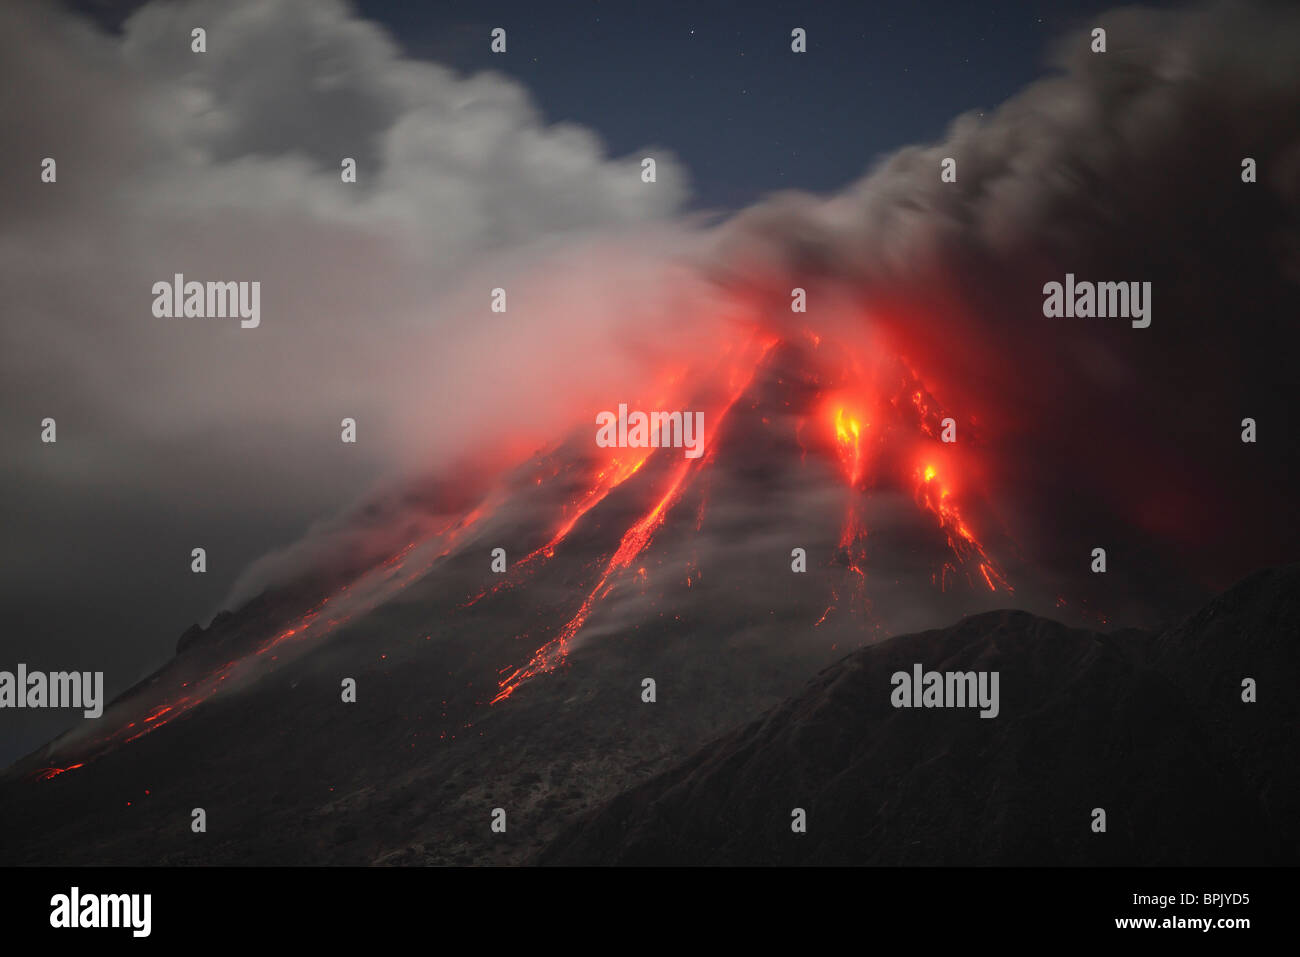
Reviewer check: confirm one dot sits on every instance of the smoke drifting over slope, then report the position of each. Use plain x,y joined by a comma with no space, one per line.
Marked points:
375,305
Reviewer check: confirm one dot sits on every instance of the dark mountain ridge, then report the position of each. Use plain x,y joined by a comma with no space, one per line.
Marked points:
1150,728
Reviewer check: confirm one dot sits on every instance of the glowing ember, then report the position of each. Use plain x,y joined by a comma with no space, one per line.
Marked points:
46,773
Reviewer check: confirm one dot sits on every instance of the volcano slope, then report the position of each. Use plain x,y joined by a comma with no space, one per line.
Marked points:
525,691
1150,728
521,691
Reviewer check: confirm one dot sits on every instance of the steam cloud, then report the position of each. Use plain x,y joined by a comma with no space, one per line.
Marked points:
375,305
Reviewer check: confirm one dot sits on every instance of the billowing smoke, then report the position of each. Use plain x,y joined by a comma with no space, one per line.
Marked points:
1123,166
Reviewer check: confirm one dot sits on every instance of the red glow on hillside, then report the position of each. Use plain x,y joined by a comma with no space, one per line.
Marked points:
865,415
634,541
935,494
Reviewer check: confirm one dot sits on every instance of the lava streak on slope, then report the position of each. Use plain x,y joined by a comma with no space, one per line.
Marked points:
933,494
634,541
880,418
368,591
617,471
638,537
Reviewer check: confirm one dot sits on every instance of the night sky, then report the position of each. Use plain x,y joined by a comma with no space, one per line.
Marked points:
715,82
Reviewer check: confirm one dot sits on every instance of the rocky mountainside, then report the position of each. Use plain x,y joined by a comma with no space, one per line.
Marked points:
1150,728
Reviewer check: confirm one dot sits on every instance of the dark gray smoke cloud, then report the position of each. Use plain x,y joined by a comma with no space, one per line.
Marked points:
1121,166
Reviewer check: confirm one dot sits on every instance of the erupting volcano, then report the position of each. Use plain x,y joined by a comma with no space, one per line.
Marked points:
586,468
826,419
494,637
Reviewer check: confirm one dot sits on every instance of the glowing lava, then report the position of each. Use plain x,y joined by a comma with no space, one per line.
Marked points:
371,589
935,495
614,474
634,541
848,435
850,427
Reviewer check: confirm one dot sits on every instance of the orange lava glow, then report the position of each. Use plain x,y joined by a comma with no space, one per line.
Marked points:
46,773
936,496
848,436
850,426
368,591
876,413
634,541
615,473
618,471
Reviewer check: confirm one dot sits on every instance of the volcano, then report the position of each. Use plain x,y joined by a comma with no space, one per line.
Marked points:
380,704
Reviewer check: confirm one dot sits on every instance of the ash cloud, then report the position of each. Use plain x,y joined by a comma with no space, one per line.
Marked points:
1120,166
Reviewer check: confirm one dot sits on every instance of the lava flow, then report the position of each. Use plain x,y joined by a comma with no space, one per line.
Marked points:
634,541
849,429
368,591
936,496
610,477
